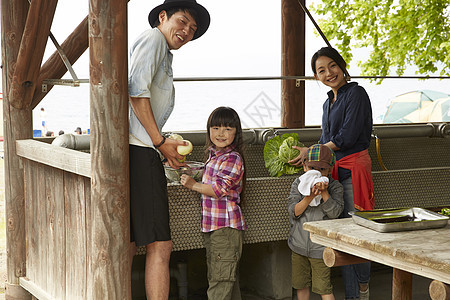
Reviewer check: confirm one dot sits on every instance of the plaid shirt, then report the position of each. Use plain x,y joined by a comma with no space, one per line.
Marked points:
224,170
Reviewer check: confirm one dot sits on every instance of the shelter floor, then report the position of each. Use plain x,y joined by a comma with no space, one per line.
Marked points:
380,286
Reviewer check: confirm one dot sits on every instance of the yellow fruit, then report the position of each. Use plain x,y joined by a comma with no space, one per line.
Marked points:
185,150
175,136
182,160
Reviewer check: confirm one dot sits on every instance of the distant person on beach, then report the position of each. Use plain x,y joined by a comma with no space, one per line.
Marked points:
174,23
314,196
347,129
223,181
78,130
49,133
43,117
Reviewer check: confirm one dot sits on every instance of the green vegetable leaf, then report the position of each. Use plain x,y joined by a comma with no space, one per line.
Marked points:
445,211
278,151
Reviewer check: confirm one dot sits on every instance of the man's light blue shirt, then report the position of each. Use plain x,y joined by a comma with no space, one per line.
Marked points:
150,77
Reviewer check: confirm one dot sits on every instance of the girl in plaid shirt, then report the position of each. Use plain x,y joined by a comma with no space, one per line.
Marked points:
223,181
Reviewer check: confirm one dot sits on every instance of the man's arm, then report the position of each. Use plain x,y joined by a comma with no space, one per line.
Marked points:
144,113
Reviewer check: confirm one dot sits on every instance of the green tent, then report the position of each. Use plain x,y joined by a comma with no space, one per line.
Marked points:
440,111
412,107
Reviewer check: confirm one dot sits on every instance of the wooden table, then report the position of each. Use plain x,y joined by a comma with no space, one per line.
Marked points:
422,252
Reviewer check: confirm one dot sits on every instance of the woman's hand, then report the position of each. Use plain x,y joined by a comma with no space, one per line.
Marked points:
297,161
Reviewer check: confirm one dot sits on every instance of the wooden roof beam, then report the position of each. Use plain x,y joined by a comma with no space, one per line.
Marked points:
31,51
74,46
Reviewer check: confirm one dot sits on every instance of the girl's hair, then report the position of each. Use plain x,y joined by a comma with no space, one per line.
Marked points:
334,55
226,116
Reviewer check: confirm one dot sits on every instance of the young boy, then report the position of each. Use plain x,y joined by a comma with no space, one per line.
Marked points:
314,196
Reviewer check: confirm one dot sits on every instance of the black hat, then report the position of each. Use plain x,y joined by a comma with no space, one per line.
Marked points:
203,15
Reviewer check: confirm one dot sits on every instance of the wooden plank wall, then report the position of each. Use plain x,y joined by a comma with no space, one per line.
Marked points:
57,203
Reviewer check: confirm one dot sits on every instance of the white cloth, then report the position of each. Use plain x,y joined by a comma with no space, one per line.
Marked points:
307,181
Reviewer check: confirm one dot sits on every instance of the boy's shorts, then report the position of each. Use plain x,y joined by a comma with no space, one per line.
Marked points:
307,270
149,203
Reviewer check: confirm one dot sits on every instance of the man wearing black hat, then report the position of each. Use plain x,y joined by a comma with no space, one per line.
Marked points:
174,23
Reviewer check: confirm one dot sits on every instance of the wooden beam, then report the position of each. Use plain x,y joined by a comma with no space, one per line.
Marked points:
17,125
74,46
108,221
35,289
292,64
439,290
31,52
335,258
401,285
69,160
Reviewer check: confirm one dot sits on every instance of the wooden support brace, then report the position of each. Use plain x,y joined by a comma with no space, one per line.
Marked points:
15,291
439,290
74,46
401,285
31,52
335,258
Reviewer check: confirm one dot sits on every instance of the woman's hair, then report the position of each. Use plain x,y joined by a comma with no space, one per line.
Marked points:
334,55
226,116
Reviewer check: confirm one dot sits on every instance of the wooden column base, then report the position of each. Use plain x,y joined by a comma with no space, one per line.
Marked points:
401,285
439,290
335,258
16,292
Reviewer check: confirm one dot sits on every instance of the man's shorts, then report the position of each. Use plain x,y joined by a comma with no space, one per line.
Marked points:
307,270
149,203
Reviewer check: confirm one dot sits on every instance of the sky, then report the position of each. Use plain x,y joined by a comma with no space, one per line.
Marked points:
232,46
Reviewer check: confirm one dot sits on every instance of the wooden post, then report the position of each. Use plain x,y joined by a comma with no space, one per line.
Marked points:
401,285
31,52
292,64
439,290
335,258
74,46
108,214
17,125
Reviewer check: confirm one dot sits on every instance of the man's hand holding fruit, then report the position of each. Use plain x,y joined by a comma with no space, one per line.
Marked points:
175,150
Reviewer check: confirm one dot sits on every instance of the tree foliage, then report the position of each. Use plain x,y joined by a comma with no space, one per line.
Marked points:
396,33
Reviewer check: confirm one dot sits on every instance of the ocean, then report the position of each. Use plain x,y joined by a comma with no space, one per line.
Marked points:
257,102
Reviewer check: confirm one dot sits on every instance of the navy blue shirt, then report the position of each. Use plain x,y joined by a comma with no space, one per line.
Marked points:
347,122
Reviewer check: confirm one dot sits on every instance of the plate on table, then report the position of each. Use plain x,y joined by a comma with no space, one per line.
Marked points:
399,219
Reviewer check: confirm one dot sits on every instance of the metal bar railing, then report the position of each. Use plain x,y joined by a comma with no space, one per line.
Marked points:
260,136
71,82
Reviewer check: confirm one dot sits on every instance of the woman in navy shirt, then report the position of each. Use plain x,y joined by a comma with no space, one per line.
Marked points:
347,129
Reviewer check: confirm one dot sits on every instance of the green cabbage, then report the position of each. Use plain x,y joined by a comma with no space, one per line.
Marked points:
278,151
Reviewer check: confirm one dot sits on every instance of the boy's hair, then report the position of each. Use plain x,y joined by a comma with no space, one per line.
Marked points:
334,55
171,11
226,116
319,156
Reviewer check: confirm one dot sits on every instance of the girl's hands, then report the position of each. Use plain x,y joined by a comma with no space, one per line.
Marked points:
187,181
